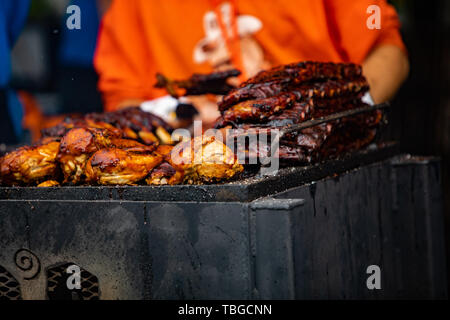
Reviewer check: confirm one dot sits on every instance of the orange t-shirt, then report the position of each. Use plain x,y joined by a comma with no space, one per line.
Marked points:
139,38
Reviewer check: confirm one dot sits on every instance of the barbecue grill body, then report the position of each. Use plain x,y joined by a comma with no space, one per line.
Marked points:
313,241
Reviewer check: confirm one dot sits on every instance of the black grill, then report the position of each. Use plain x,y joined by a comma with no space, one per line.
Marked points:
308,232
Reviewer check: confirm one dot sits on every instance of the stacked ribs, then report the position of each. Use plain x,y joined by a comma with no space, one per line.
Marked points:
294,93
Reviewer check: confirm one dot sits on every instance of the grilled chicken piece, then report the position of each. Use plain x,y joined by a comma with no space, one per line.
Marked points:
114,166
128,144
204,159
132,122
165,173
48,183
69,123
30,165
198,84
76,148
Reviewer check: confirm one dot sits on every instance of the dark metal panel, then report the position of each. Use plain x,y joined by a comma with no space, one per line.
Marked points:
419,225
375,215
434,221
274,264
104,238
13,237
137,250
199,251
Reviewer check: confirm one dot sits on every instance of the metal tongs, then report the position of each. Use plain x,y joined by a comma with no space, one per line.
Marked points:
314,122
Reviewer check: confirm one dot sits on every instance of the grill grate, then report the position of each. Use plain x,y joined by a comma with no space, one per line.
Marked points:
244,190
9,287
57,285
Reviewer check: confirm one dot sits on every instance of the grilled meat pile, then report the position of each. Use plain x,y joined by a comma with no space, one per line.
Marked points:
131,146
132,122
126,147
298,92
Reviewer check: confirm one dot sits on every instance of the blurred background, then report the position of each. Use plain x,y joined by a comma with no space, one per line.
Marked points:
52,67
48,57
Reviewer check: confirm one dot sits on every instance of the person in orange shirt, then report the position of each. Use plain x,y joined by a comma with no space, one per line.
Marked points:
139,38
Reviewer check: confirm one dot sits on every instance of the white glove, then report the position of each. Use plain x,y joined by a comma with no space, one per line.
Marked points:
162,107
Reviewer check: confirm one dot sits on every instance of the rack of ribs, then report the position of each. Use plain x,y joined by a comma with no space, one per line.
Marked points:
291,94
287,77
325,89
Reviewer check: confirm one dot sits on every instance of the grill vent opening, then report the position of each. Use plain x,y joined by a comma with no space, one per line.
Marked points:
57,288
9,286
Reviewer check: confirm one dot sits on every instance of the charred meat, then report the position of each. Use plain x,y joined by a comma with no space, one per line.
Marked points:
198,84
298,92
126,166
204,159
30,165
